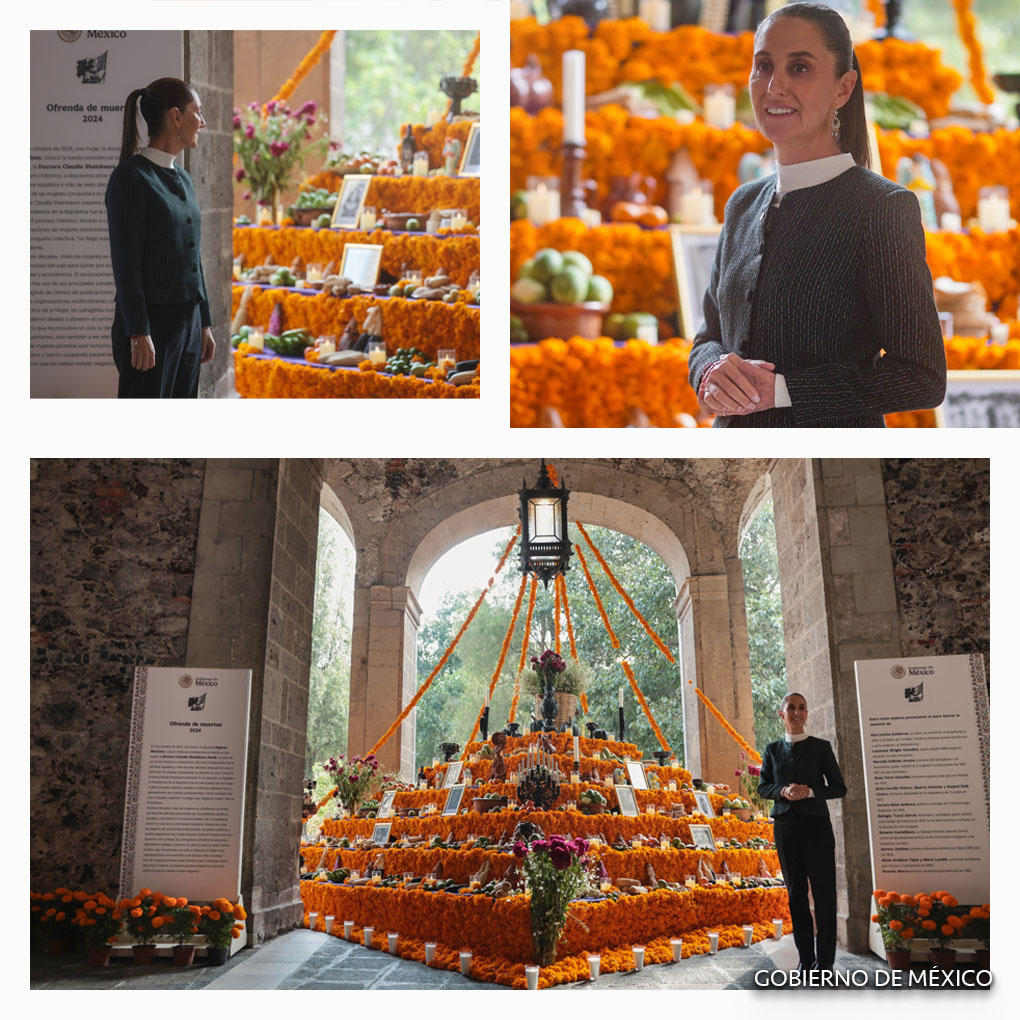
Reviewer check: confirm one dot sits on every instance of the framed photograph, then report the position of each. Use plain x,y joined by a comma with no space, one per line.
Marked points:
386,804
636,775
360,264
347,211
702,836
980,399
627,800
704,804
471,160
693,258
453,799
452,774
381,833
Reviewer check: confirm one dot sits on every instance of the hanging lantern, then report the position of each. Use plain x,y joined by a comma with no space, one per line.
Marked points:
545,547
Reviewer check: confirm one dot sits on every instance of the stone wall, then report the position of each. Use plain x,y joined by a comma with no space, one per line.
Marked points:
208,67
113,555
938,513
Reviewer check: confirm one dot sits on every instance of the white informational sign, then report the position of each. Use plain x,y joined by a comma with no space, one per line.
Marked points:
79,81
925,729
980,399
184,807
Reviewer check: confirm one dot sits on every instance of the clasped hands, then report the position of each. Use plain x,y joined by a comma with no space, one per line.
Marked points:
733,385
796,791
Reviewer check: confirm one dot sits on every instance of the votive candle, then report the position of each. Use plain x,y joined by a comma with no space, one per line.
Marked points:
330,922
677,945
777,927
430,952
713,941
465,962
348,930
594,962
367,934
531,975
392,939
748,935
639,957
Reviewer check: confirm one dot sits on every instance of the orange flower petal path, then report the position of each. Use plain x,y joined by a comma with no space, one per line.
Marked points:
307,63
659,643
499,665
747,748
409,707
524,648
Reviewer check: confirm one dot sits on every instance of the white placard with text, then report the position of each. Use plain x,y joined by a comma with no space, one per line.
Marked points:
184,807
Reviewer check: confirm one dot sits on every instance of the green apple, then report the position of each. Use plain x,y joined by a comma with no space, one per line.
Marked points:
600,290
546,263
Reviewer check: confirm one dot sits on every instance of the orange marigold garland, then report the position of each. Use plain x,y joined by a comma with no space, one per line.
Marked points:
644,706
966,22
502,659
659,643
570,634
598,601
744,745
301,71
524,648
449,651
556,613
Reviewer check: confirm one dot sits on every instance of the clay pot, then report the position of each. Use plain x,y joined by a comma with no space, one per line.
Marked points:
184,956
944,958
486,805
549,319
99,956
591,809
899,959
143,955
744,814
529,87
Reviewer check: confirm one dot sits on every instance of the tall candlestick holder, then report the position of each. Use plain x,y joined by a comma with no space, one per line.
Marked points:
622,726
483,724
572,201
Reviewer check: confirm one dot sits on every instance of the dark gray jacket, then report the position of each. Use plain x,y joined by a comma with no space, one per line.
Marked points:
839,277
155,240
810,762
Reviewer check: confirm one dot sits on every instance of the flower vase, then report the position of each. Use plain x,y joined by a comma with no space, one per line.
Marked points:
184,956
899,959
942,957
99,956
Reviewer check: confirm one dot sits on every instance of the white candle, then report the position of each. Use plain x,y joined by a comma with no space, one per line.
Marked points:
330,921
313,921
465,962
531,974
999,333
621,698
573,97
951,222
421,164
367,934
777,927
257,339
692,206
655,14
430,952
993,212
543,205
368,219
392,938
648,332
639,957
720,106
591,218
327,345
265,216
748,935
677,946
594,962
348,929
713,941
577,748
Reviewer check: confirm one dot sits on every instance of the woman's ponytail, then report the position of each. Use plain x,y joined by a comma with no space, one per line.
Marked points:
853,123
129,138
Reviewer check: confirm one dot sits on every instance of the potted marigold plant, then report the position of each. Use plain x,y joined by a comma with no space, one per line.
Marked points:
941,925
897,921
556,872
978,928
180,922
143,924
52,913
100,922
219,924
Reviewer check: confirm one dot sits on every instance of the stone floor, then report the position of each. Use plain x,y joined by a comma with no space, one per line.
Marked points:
311,960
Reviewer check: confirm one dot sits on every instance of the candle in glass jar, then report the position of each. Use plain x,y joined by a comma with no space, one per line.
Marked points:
993,209
368,218
257,339
458,221
265,215
720,106
655,14
421,164
692,206
313,274
377,352
326,345
573,97
543,204
594,962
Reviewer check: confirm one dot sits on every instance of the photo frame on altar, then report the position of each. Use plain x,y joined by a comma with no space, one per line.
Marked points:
704,804
471,161
350,201
381,833
452,774
627,800
977,398
702,837
636,775
360,264
693,258
386,804
453,799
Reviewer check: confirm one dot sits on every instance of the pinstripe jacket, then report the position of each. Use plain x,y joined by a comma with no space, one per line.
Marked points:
155,240
839,279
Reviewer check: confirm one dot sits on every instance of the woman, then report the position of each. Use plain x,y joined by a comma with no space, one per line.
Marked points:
799,773
820,309
161,328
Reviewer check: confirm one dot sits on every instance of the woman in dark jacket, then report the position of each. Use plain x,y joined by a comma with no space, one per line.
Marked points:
162,327
820,309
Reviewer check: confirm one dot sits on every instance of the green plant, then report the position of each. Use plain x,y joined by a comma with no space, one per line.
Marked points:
218,922
99,920
141,917
180,920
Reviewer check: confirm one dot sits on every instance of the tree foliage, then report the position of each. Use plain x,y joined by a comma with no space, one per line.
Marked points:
330,675
392,78
448,711
764,625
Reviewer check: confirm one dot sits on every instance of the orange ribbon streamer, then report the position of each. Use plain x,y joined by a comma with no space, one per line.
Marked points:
449,651
659,643
745,746
499,665
307,63
644,706
524,647
598,601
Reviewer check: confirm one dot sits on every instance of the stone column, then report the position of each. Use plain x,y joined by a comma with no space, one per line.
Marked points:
839,605
209,69
252,609
714,657
384,674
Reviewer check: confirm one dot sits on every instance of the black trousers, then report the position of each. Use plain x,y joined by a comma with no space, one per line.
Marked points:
176,331
807,854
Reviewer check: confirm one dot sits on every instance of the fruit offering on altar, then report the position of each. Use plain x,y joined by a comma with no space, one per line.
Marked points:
314,207
361,163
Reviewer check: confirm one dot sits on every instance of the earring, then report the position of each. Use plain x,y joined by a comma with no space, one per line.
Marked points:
835,126
180,137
